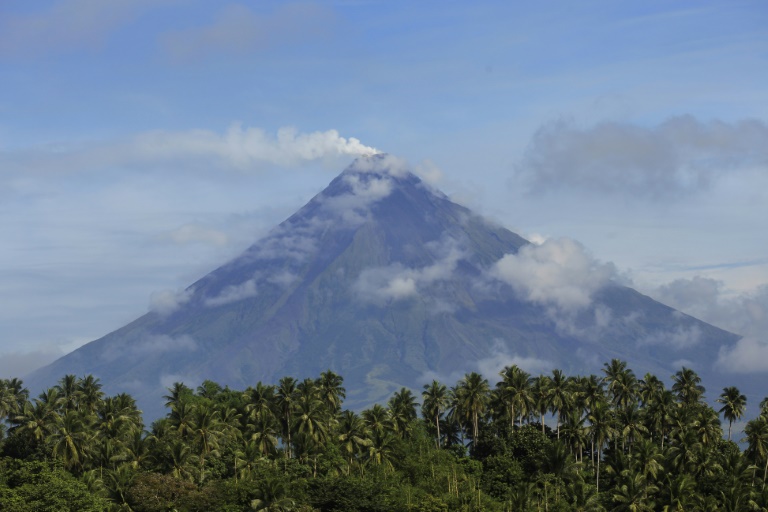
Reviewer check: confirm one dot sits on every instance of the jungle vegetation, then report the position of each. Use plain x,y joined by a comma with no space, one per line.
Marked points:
549,442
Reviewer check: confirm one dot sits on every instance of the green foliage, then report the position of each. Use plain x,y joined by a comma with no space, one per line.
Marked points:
619,443
41,486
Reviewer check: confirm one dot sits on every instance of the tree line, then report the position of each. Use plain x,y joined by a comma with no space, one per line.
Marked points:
546,443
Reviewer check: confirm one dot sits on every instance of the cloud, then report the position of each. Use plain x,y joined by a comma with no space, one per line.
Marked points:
158,344
490,367
397,282
678,157
238,148
745,314
149,345
67,25
195,233
234,293
559,272
19,364
682,337
166,302
239,30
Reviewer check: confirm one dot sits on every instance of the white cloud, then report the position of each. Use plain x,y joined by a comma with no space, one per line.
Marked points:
490,367
680,156
234,293
397,282
239,30
195,233
682,337
166,302
19,364
745,314
559,272
158,344
67,24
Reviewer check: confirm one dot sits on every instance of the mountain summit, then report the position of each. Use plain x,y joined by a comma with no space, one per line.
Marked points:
386,281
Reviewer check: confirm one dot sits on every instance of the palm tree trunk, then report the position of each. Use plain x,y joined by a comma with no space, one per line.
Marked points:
437,424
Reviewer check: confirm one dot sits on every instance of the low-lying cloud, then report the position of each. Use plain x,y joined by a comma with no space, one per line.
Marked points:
680,156
745,314
397,282
166,302
558,272
234,293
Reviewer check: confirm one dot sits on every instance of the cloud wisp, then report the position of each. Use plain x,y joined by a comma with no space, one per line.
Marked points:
395,282
681,156
745,314
559,272
68,25
238,29
238,148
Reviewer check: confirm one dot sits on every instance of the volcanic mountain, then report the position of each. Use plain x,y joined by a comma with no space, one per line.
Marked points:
386,281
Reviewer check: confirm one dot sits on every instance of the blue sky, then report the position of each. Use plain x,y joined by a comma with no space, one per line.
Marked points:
143,143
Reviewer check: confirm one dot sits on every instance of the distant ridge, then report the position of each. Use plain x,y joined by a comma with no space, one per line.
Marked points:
386,281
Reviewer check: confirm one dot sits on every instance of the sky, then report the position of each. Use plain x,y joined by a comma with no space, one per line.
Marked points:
145,143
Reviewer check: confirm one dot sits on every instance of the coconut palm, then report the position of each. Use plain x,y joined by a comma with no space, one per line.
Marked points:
560,396
402,411
473,395
332,391
734,405
515,391
687,386
601,430
756,435
353,436
207,431
285,396
70,439
435,401
541,393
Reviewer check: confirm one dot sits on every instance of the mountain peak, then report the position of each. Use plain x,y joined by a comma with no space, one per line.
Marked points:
387,282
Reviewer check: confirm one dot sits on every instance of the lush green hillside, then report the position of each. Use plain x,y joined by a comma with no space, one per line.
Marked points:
611,441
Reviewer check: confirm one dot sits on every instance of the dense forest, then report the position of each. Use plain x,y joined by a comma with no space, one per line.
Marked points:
530,443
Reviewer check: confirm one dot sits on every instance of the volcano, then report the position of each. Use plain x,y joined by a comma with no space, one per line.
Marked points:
386,281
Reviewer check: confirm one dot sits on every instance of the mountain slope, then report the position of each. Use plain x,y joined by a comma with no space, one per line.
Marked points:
389,283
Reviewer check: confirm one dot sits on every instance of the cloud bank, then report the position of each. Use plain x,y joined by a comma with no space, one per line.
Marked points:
558,272
745,314
678,157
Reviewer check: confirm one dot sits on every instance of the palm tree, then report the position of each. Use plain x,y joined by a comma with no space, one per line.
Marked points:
70,439
435,400
176,394
514,390
284,400
734,405
560,397
541,394
472,398
332,391
206,435
89,393
402,411
756,433
353,436
687,385
601,430
377,420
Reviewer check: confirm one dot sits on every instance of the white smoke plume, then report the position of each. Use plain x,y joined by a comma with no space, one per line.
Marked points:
238,148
